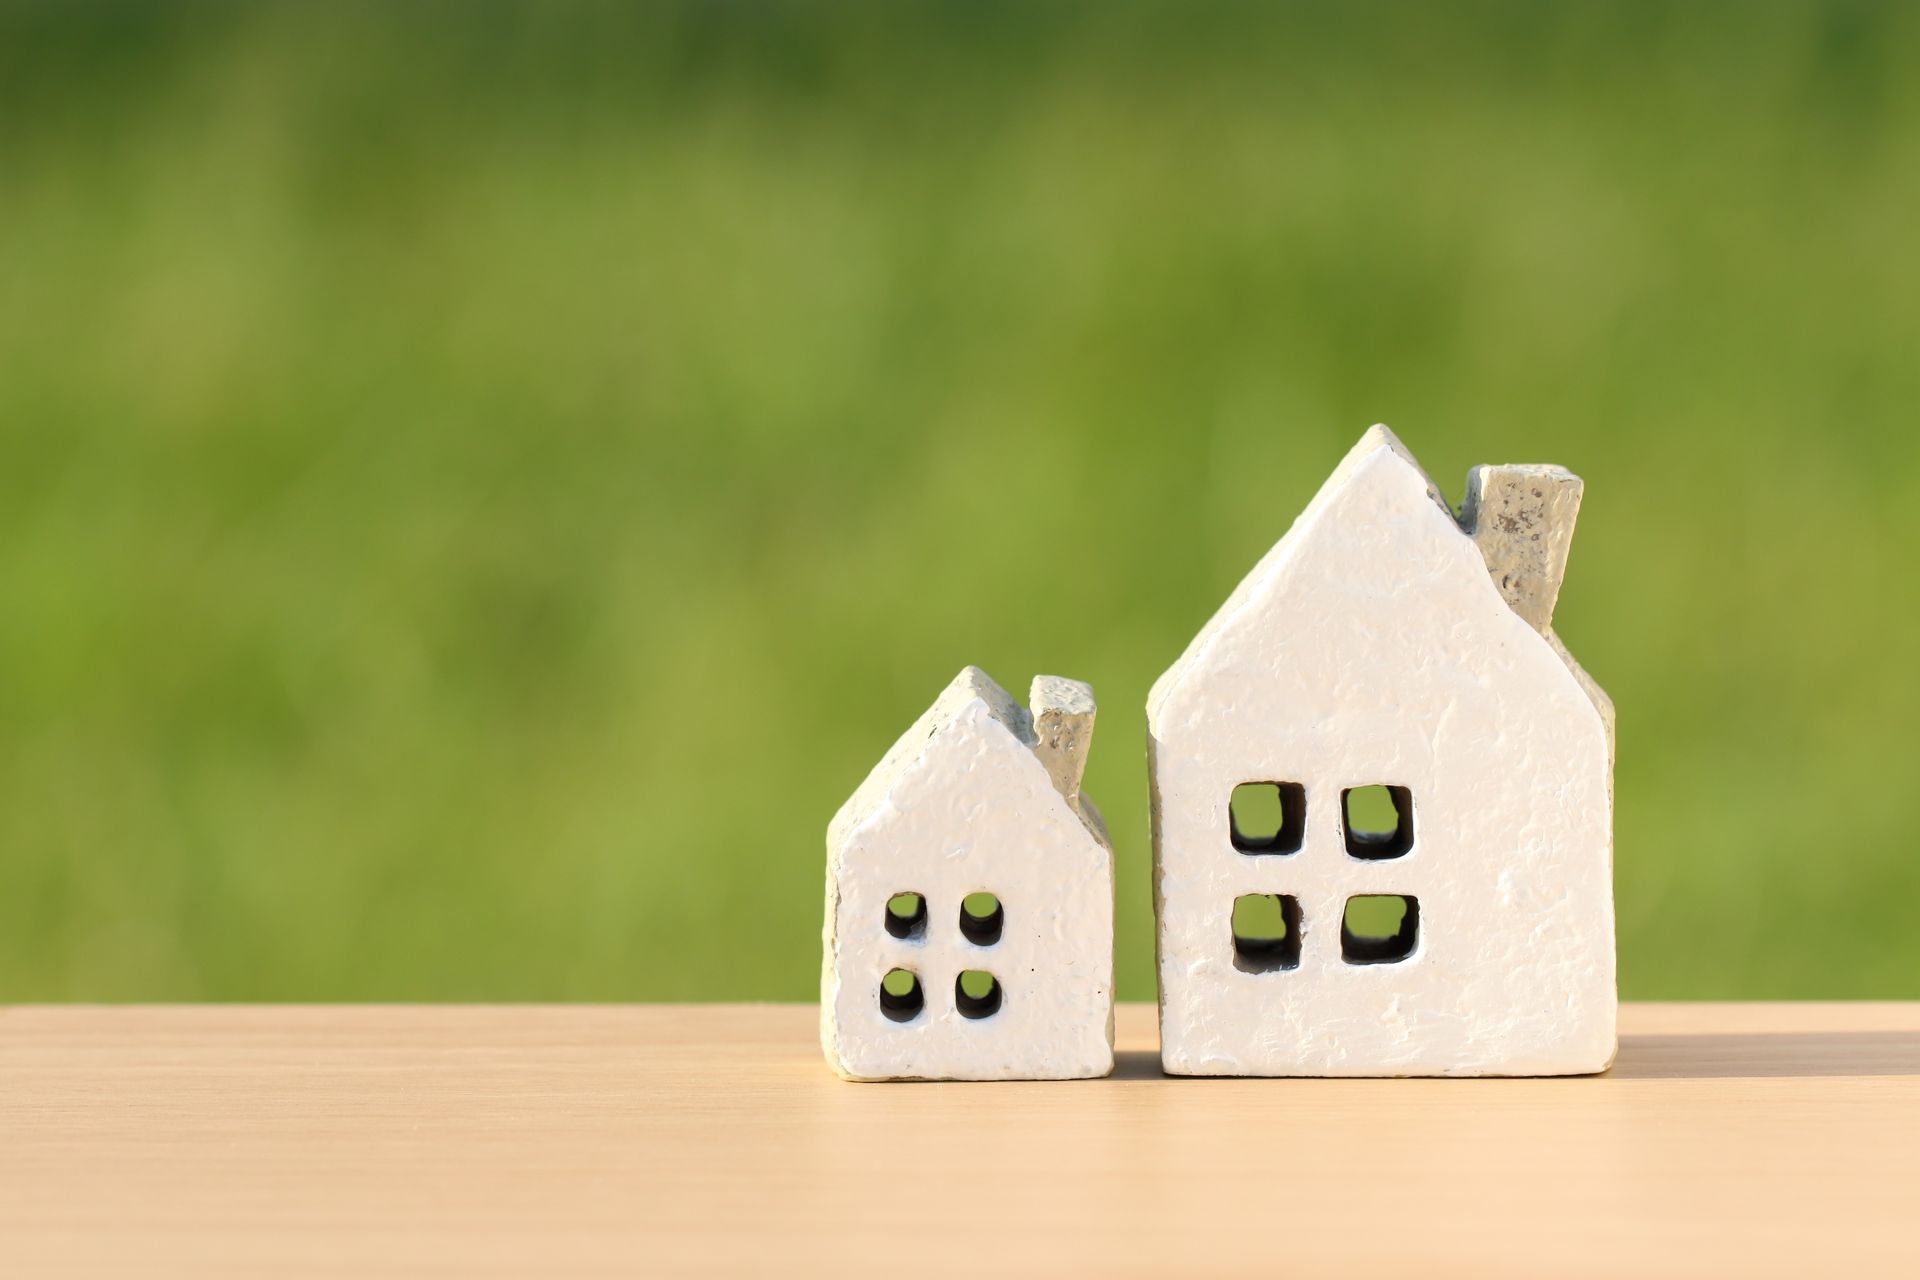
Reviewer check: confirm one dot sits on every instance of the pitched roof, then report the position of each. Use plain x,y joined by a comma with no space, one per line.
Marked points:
1379,458
1065,709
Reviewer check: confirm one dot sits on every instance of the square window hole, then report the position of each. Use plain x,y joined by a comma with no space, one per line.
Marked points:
907,916
982,919
1379,928
976,994
1266,932
901,996
1268,817
1378,821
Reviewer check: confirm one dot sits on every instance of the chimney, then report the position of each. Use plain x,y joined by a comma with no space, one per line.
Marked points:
1521,517
1063,728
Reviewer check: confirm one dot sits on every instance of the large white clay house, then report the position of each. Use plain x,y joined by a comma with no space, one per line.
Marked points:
1386,651
969,920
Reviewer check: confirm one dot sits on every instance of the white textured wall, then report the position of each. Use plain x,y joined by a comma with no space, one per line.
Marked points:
975,811
1372,647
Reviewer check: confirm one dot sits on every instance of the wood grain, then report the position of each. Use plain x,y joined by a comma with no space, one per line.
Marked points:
690,1140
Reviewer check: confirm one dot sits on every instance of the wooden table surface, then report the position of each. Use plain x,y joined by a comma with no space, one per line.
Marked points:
1764,1139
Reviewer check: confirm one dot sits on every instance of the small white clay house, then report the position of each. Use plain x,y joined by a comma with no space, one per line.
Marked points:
969,918
1386,650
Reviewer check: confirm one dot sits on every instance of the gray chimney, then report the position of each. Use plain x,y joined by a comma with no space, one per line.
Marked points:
1062,712
1521,517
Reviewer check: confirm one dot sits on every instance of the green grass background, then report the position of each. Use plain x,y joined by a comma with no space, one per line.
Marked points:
479,485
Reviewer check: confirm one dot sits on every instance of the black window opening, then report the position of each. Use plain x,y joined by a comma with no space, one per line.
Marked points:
976,994
907,915
901,996
1268,817
1379,928
1378,821
982,919
1266,932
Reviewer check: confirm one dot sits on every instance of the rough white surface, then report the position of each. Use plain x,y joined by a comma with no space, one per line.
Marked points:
1371,646
975,798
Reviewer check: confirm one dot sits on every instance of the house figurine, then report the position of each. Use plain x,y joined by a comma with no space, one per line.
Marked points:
969,920
1382,795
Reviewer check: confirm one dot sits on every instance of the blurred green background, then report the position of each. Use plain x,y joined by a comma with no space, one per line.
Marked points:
480,485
